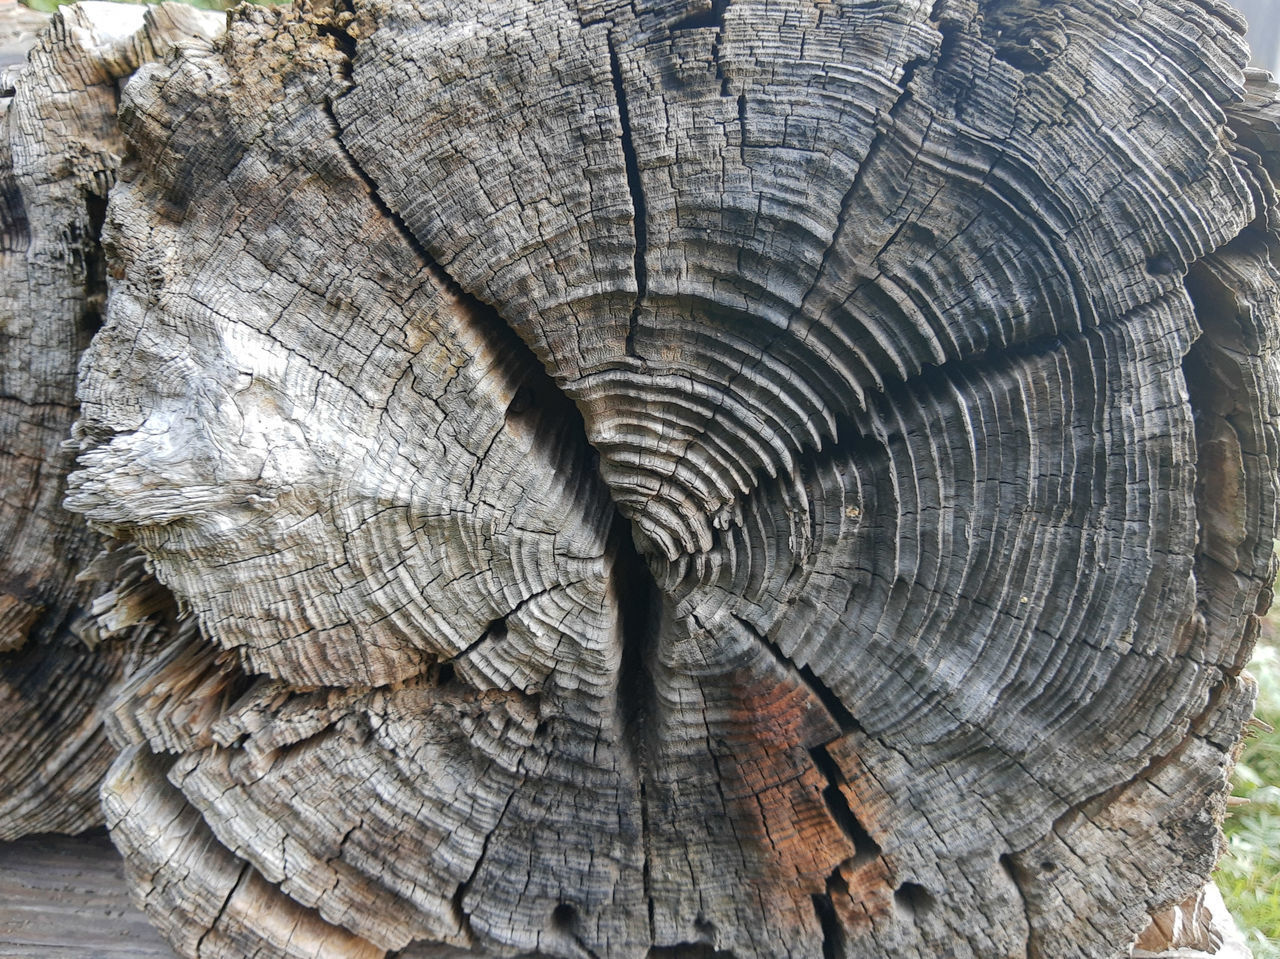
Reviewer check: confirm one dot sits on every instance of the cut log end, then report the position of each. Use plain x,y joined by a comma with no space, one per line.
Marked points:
669,479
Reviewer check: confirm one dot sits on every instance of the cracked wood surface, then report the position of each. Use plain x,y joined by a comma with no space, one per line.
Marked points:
60,149
765,479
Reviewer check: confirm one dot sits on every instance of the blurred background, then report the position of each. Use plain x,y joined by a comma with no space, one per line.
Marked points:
1264,31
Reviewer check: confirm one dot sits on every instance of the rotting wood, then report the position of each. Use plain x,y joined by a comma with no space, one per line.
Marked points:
740,478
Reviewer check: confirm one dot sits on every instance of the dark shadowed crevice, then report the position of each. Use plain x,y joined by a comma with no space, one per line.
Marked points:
1027,34
565,920
95,268
1016,875
913,899
689,950
636,188
832,932
711,19
712,16
951,32
444,675
371,187
539,403
344,42
1216,369
343,11
15,227
865,848
640,612
840,714
477,310
742,126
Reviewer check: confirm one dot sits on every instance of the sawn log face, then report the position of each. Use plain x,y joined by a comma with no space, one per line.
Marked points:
653,479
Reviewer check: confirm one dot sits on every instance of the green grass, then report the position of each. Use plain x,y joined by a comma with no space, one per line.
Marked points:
1249,874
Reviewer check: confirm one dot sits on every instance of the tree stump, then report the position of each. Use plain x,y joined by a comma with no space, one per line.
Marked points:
672,479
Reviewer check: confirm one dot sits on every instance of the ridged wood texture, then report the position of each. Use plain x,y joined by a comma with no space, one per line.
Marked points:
758,479
60,149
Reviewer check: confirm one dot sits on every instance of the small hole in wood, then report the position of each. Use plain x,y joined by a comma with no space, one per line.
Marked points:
564,916
1048,865
913,898
445,674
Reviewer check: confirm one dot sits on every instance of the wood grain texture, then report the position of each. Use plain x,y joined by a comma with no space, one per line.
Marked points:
764,479
65,897
60,150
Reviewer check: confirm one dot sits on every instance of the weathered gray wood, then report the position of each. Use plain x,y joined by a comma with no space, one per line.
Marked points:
65,897
655,479
60,151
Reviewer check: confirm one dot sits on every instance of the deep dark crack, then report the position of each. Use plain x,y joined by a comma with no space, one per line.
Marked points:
640,609
95,267
636,187
865,848
712,16
832,932
639,602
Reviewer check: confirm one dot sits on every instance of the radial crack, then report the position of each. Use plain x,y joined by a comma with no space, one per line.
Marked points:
244,871
640,612
832,933
865,847
636,592
636,188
